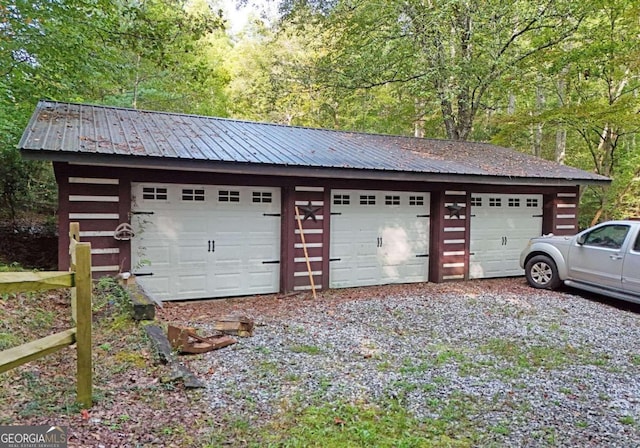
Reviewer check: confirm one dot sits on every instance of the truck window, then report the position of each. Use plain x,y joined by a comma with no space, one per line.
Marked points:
611,237
636,247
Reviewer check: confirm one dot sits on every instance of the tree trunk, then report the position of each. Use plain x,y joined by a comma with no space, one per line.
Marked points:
561,145
448,117
538,127
511,106
561,132
136,86
418,123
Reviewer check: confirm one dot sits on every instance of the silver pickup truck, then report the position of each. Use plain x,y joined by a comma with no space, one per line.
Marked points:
603,259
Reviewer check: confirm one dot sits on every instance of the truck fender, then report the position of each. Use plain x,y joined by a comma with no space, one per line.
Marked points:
541,248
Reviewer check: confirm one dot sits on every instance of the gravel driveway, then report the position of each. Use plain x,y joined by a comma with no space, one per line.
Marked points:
522,367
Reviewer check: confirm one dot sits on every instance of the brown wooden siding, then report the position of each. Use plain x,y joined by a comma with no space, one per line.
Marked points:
561,212
449,236
287,229
124,210
93,198
63,215
435,236
566,213
454,254
316,238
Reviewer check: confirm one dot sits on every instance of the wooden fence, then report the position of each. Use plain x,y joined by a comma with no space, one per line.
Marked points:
79,280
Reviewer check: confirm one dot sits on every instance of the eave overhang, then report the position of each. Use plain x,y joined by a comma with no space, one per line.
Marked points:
252,169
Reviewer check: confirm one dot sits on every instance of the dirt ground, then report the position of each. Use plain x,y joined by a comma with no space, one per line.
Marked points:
195,311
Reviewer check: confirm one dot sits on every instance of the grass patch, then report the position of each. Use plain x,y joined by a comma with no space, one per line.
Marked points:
501,428
627,420
111,304
128,359
46,395
387,423
12,267
267,368
308,349
8,340
522,357
436,356
350,425
410,366
384,366
448,355
41,319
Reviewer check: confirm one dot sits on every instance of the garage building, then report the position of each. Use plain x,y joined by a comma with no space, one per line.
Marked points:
213,204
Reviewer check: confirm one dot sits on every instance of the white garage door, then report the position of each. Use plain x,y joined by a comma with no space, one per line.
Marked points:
206,241
378,237
501,226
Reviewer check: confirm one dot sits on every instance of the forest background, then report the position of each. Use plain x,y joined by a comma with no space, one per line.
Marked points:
557,78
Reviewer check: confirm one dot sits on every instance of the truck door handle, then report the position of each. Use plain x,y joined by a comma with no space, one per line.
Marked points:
615,257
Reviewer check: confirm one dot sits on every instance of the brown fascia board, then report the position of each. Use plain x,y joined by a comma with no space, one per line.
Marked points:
296,171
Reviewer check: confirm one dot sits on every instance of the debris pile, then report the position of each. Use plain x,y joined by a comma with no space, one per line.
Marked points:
186,340
238,325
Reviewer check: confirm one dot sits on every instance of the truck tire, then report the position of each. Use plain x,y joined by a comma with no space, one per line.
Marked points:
542,273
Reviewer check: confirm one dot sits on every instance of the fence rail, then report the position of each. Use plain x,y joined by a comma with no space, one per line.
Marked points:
79,280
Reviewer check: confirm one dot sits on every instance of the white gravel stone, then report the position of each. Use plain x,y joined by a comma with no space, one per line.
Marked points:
550,369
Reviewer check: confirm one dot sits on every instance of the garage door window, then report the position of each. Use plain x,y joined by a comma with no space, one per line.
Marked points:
514,202
262,197
366,199
228,196
495,202
476,202
154,193
341,199
392,200
532,202
416,200
189,194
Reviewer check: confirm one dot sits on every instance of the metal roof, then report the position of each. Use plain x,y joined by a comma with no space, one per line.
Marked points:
75,132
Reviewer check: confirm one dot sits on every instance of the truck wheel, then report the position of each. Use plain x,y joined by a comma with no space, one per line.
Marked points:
542,273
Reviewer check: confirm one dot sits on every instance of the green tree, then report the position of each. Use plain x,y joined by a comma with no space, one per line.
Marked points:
47,50
606,104
141,54
591,90
445,54
275,77
162,62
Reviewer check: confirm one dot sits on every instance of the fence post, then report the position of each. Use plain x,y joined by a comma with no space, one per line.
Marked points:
83,324
74,238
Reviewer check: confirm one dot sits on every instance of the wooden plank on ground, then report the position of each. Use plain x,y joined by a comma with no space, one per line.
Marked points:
22,354
14,282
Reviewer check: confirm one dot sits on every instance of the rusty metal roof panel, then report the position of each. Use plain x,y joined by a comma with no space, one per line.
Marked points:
57,128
